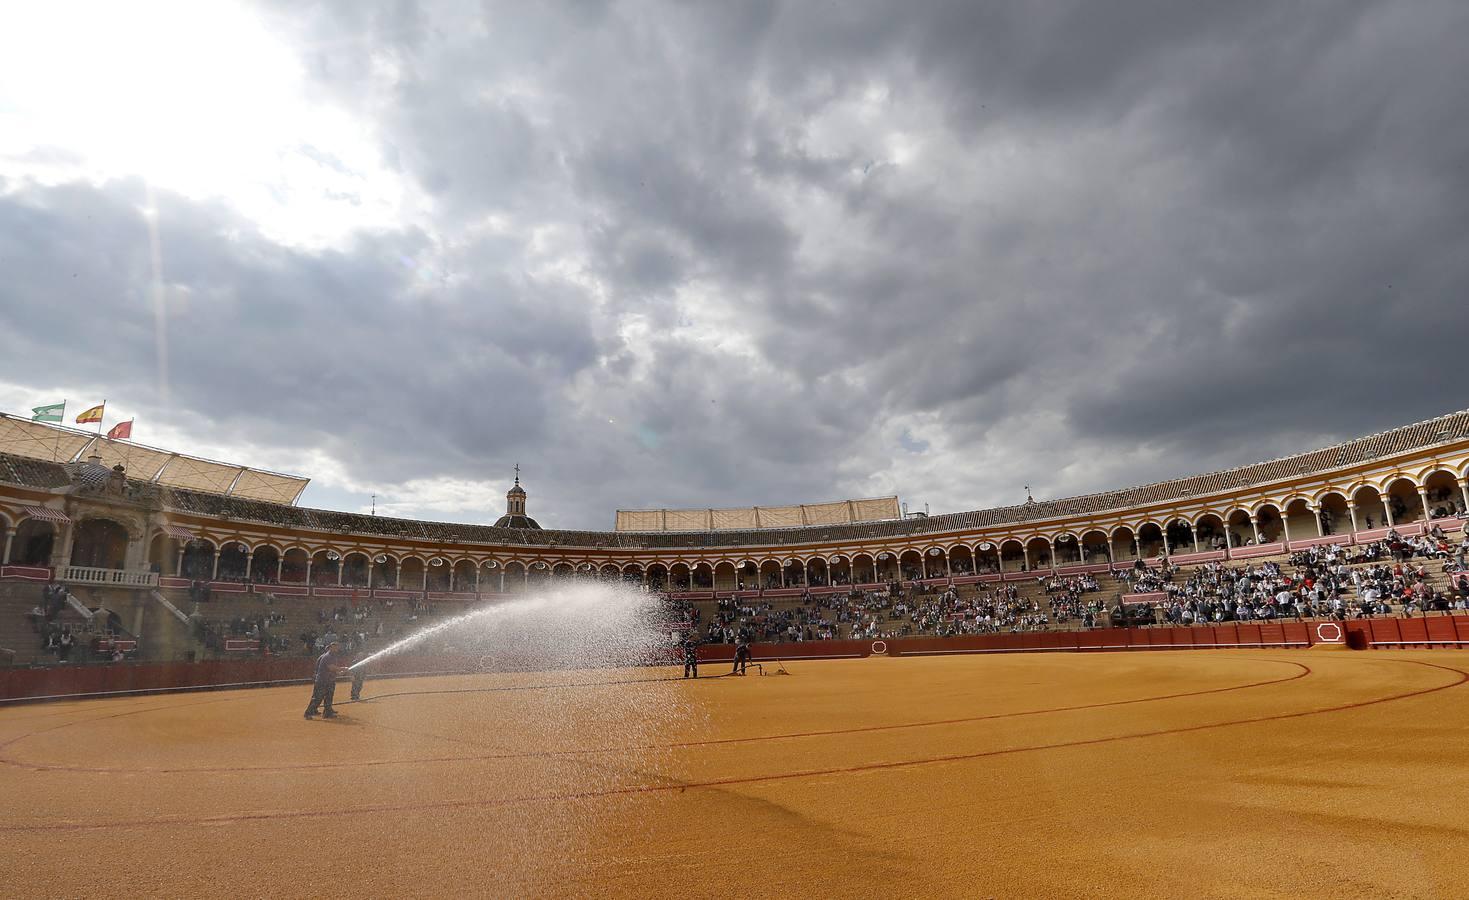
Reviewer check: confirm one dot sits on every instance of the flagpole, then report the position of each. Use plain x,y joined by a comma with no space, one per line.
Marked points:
100,416
56,447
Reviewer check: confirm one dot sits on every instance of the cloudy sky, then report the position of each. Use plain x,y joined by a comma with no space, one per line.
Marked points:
674,254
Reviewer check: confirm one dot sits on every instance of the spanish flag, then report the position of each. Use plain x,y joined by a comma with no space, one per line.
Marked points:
92,415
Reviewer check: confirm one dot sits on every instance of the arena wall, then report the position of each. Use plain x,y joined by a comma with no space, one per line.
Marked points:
1447,631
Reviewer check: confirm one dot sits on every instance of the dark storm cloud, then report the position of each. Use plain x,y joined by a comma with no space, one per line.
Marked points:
339,350
817,250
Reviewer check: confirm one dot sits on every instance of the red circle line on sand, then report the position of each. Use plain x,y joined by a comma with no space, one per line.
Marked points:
594,751
633,790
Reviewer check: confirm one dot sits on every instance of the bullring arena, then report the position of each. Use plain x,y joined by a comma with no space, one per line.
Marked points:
1188,773
1241,683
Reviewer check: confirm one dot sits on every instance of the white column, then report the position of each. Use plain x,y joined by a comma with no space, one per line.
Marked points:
1228,541
1387,511
1423,498
9,538
178,564
1167,550
1464,489
1255,526
215,576
1316,514
1111,549
370,567
280,564
1352,511
249,564
424,586
341,566
451,578
309,560
476,579
1285,524
1195,533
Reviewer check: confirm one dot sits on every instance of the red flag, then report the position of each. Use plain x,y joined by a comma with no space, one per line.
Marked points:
121,431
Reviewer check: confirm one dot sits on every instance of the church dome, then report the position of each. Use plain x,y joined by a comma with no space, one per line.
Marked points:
515,516
90,474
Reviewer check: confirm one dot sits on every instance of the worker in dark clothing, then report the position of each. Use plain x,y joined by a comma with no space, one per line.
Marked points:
741,657
324,687
690,657
359,675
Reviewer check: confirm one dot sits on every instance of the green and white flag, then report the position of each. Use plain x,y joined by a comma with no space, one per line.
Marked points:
53,413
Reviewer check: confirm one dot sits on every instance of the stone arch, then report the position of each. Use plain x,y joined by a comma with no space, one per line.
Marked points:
817,573
726,576
1012,555
1238,528
935,562
1124,543
1300,520
234,560
1366,502
1402,495
657,576
1094,546
163,553
961,559
838,569
1445,498
326,566
1067,549
537,573
864,568
384,570
769,576
986,558
412,572
701,576
294,561
1180,534
1150,540
1334,512
33,543
464,576
1270,522
885,566
515,576
910,565
198,563
264,561
99,543
1039,553
1209,527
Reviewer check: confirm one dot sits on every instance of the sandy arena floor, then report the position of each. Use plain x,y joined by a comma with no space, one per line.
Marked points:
1241,773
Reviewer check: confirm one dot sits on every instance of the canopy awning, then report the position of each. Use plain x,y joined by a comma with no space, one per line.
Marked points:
178,532
43,514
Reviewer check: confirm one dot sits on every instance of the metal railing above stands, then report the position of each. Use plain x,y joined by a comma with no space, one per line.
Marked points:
125,578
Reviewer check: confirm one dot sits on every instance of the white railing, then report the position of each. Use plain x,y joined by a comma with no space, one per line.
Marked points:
134,578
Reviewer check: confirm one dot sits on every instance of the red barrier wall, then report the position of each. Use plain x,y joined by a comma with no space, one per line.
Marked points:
716,653
58,681
1433,631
